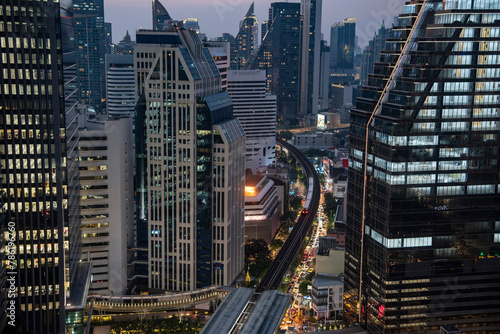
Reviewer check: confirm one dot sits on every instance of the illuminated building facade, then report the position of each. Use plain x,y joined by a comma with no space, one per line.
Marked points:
190,164
245,43
39,162
423,199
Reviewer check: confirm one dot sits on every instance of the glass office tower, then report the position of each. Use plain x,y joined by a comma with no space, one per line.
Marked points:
90,40
33,162
423,201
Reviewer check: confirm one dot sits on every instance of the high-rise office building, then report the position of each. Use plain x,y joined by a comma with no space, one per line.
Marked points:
246,41
120,85
279,56
423,199
90,41
39,164
342,44
310,56
371,53
160,15
107,200
256,112
190,164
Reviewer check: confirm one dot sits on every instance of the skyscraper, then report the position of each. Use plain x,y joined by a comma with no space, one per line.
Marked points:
342,44
256,112
423,201
39,163
190,166
160,15
245,43
279,56
310,55
90,42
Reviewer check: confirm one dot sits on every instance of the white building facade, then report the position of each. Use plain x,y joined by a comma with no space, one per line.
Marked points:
107,202
120,85
256,112
189,195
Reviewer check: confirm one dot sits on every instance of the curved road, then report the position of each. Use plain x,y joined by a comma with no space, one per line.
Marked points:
274,276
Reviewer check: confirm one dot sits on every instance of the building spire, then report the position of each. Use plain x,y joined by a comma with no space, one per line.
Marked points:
251,10
160,15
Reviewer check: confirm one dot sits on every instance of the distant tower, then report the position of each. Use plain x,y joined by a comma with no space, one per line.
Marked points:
279,56
310,55
245,44
160,15
342,43
90,39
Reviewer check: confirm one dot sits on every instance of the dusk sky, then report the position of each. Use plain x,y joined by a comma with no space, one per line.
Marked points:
218,16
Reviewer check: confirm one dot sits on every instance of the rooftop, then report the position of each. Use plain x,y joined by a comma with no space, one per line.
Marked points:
228,312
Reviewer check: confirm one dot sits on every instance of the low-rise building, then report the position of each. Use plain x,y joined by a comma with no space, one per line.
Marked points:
327,296
262,208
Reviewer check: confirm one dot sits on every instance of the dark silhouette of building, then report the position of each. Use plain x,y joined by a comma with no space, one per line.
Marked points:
423,199
371,54
279,54
310,57
90,41
342,44
126,45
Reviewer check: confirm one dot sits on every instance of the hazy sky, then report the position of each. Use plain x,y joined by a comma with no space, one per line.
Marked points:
218,16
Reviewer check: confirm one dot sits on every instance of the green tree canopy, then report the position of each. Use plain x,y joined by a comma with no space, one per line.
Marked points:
257,256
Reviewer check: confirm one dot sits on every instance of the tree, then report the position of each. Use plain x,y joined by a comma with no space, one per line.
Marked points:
295,203
286,135
257,256
331,204
276,244
303,287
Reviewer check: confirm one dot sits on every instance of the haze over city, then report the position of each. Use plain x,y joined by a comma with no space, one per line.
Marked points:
218,16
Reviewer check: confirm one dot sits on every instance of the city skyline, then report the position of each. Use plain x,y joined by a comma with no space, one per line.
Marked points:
219,16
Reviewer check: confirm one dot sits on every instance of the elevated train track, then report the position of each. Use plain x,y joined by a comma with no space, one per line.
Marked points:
274,276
